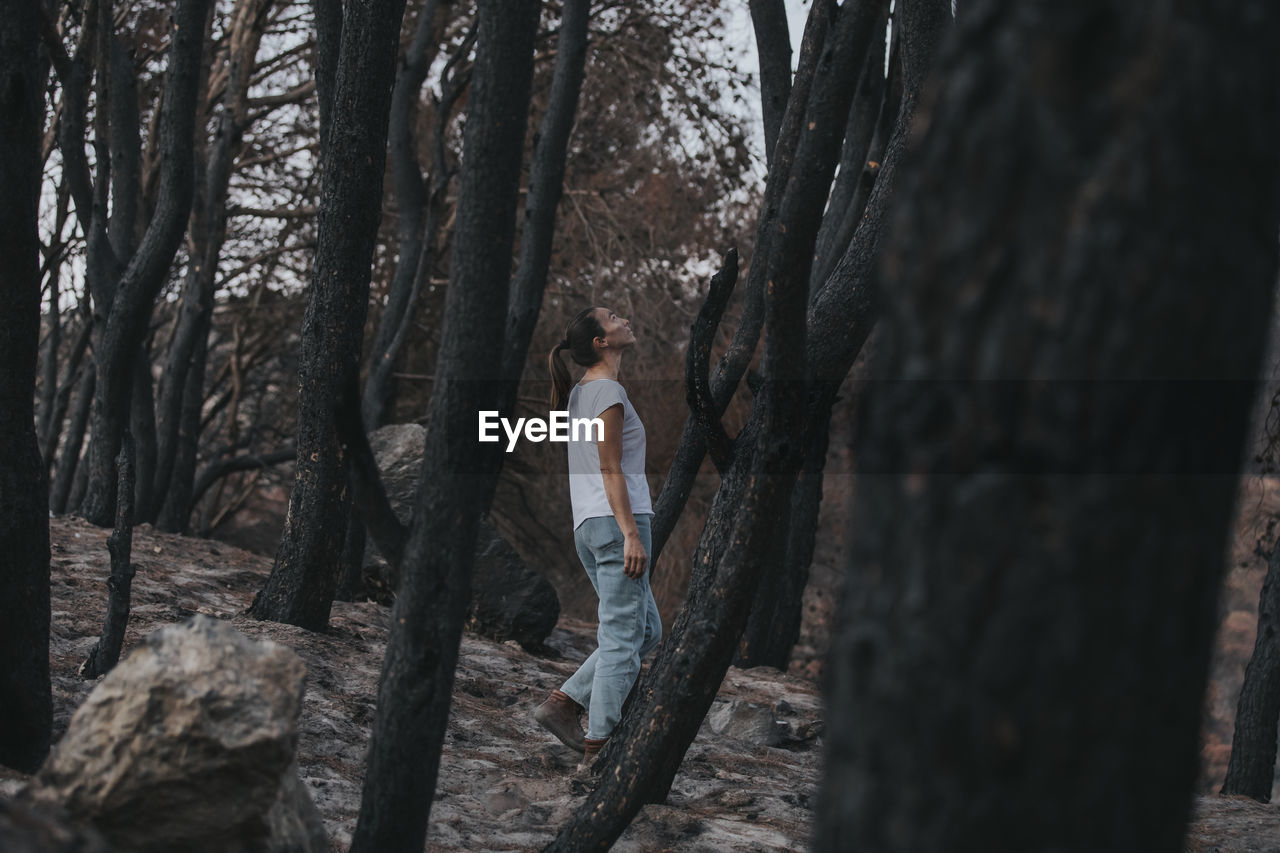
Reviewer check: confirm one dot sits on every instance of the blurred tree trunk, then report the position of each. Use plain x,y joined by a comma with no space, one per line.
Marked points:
304,579
26,703
128,297
1047,473
1252,768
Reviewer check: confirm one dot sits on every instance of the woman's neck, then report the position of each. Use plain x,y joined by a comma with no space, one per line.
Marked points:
605,368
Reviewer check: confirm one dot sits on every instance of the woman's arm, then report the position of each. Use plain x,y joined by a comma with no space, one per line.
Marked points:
615,489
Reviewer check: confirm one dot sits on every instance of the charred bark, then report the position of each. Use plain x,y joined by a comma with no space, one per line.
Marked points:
301,587
105,653
26,702
773,46
459,475
774,625
1046,476
1252,768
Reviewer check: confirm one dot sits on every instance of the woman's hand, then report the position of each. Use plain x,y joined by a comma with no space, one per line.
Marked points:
634,558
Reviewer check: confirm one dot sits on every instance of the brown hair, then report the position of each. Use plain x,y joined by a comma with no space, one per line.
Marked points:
578,338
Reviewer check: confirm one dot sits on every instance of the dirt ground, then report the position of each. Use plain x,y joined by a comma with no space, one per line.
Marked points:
505,785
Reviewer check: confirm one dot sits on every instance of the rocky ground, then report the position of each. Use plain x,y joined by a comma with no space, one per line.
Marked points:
748,782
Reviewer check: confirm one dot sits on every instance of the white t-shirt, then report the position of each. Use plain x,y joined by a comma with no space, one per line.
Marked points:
586,483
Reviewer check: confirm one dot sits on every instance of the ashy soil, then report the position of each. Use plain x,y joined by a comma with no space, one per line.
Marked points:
506,785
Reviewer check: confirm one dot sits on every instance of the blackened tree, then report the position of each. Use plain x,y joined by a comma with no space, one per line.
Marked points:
26,702
1073,320
353,132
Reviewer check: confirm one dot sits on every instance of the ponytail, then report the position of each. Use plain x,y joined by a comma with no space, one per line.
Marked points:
559,377
578,338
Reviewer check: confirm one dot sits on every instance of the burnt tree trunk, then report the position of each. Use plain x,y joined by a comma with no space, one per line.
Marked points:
1046,476
459,475
26,702
773,46
105,653
304,579
774,625
1252,768
130,307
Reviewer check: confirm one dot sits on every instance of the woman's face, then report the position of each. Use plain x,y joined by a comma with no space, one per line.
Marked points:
617,331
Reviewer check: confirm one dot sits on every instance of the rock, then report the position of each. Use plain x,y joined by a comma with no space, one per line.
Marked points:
398,449
751,721
43,828
747,721
186,745
509,600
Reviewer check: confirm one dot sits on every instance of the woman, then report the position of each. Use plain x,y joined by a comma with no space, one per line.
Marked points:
611,514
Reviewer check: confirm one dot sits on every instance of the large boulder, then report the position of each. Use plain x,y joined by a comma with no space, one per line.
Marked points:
509,600
187,745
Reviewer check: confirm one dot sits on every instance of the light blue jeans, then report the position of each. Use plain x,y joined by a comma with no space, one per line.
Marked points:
629,623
